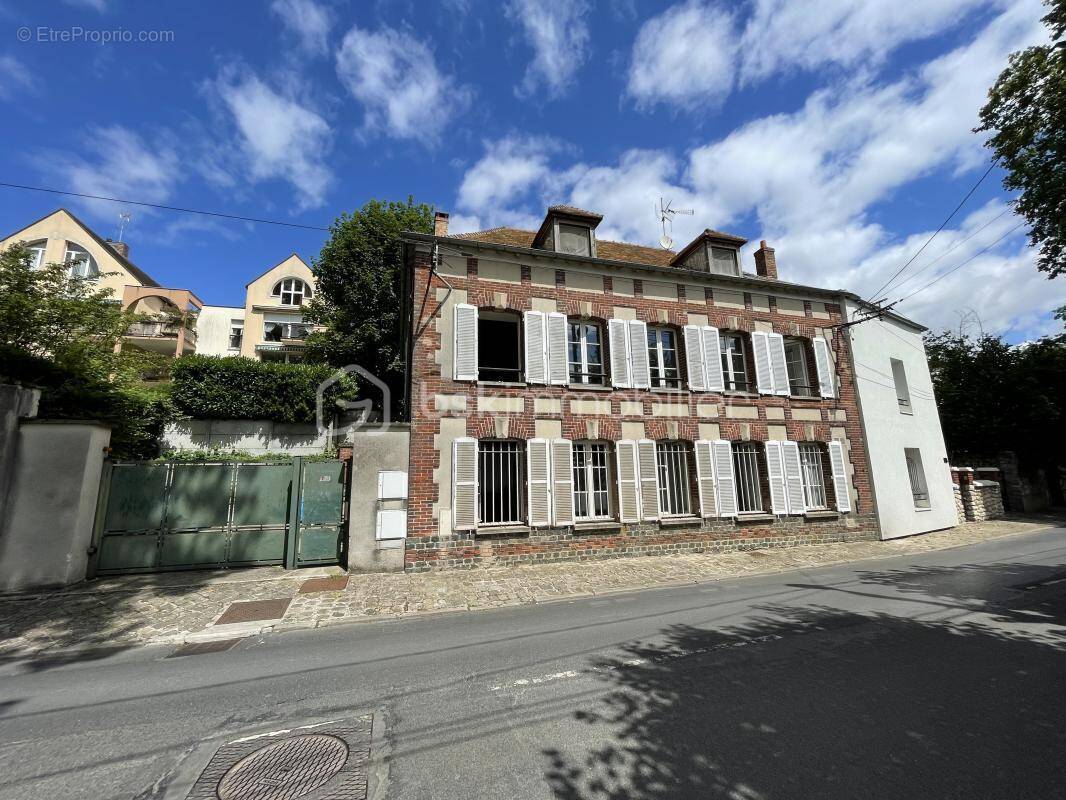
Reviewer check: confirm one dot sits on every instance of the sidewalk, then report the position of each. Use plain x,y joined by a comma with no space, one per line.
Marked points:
178,607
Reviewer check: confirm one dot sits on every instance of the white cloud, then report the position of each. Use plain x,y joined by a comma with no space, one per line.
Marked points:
396,78
279,138
308,20
558,33
14,77
683,57
509,168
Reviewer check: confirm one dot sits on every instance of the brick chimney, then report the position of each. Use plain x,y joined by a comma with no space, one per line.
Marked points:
765,262
121,248
440,223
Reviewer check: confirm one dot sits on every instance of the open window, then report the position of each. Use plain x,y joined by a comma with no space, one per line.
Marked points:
585,353
798,357
499,346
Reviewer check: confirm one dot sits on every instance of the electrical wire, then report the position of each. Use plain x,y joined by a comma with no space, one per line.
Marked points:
164,208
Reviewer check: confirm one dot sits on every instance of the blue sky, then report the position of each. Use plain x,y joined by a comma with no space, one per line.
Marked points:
843,137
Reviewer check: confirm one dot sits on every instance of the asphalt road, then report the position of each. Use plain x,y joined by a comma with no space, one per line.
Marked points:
939,675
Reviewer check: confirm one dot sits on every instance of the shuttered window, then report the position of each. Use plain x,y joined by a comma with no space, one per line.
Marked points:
734,362
499,347
585,353
675,495
799,381
592,481
662,358
824,366
746,472
501,482
814,496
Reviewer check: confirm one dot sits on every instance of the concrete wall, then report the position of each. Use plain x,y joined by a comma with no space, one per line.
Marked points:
48,528
212,330
889,430
373,451
250,436
16,403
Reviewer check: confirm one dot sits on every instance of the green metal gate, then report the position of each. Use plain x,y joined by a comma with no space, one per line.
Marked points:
179,515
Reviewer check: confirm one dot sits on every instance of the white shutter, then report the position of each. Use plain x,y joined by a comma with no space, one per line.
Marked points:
618,341
538,480
694,360
464,483
464,348
825,367
563,481
793,478
764,376
775,473
638,354
648,469
628,491
712,359
558,368
725,483
536,350
840,476
705,478
777,363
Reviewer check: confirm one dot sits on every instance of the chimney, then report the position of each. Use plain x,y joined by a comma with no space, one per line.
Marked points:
765,262
440,223
121,248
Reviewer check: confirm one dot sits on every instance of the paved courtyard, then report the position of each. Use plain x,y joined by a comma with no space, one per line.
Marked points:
176,607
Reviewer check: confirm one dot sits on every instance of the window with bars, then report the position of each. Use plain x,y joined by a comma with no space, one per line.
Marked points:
799,380
675,493
586,353
501,482
746,472
919,488
662,358
592,481
292,291
810,454
734,361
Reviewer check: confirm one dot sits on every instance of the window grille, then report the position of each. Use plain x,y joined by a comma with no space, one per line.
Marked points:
662,358
746,468
586,353
813,475
919,489
674,492
501,482
592,481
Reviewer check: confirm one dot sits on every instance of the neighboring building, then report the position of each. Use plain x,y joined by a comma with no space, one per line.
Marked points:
909,469
271,324
577,398
60,237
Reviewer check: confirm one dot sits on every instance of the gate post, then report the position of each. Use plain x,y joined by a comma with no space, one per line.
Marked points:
293,528
102,497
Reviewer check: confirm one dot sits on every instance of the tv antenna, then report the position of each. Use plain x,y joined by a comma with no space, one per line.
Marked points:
124,218
666,217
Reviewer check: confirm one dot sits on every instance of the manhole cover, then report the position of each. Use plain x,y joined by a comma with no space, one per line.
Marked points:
284,770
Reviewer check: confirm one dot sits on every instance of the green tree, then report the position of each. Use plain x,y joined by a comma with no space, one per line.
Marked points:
359,274
1026,112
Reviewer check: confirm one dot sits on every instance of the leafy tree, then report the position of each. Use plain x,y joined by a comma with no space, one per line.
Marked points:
1026,110
359,274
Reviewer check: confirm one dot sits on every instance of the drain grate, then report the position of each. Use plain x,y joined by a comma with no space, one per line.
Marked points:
254,610
316,762
201,648
335,583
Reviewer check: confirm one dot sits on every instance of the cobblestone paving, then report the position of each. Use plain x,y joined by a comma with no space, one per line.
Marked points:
169,607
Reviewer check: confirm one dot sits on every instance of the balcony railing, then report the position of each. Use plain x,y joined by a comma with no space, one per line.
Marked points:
158,330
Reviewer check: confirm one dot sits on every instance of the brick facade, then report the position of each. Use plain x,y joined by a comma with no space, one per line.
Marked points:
664,414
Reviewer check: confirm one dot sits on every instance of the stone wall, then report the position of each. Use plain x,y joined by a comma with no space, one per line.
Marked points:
977,499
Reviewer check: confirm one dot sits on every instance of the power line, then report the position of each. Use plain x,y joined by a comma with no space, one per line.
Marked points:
165,208
938,230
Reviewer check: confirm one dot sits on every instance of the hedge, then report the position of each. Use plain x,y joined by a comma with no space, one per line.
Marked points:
235,387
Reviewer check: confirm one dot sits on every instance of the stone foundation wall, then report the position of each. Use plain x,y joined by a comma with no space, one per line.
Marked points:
977,500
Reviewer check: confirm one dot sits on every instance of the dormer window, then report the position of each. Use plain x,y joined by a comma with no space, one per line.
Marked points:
574,240
712,251
723,261
568,230
292,291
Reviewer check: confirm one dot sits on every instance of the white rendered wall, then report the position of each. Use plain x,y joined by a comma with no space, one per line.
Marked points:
212,330
889,431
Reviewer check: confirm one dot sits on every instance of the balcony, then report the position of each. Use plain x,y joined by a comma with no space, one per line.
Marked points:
161,337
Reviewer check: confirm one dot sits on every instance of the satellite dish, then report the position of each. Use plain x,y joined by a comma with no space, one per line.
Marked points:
665,242
666,217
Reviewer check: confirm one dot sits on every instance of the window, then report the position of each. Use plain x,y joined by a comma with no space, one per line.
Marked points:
592,481
276,331
903,393
36,254
662,358
919,488
724,261
82,265
292,291
746,469
675,495
575,240
236,334
734,362
813,475
499,347
586,353
501,482
799,382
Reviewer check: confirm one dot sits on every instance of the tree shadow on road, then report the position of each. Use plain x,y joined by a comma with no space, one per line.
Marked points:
825,702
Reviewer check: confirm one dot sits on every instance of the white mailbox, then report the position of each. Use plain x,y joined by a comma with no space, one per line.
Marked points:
392,485
391,520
